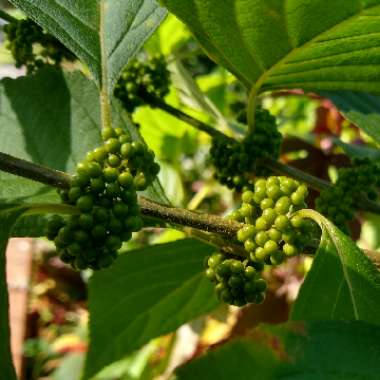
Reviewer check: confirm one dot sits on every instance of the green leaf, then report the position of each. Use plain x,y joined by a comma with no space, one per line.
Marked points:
148,293
50,118
361,109
272,44
7,220
295,351
104,34
343,284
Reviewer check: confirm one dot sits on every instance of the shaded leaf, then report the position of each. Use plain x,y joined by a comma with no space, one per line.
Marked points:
148,293
343,284
314,351
314,45
51,118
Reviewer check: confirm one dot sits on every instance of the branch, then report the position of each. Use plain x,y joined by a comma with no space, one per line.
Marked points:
200,125
194,223
184,217
7,17
34,172
279,168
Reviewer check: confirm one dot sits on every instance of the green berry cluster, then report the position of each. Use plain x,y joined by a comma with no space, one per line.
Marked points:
140,81
236,282
104,190
235,162
339,202
23,36
270,233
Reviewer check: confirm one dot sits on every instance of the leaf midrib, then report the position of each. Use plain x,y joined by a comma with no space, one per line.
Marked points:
345,273
261,80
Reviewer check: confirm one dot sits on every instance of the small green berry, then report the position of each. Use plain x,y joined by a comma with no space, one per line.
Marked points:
245,233
112,145
248,196
274,234
261,238
110,174
85,203
94,170
113,160
297,221
283,205
270,246
125,179
99,154
270,215
266,203
273,192
74,193
290,250
249,245
261,224
108,133
281,223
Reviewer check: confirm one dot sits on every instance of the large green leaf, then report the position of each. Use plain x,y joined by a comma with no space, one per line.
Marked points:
294,351
361,109
104,34
343,284
50,118
148,293
273,44
7,220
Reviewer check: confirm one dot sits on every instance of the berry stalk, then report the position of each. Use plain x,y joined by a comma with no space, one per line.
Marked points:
200,125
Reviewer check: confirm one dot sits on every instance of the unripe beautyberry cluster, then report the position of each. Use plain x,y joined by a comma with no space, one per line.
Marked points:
23,36
141,81
340,202
104,190
237,282
270,233
235,162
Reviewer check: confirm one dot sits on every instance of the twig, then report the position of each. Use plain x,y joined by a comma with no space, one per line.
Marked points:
200,125
34,172
7,17
279,168
184,217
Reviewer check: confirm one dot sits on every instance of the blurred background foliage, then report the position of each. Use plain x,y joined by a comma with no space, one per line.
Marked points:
316,140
